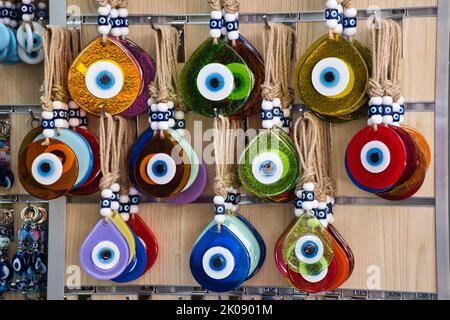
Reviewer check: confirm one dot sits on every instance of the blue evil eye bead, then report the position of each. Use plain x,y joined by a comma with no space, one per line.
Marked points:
331,14
42,14
180,124
402,110
340,18
124,208
267,115
350,22
231,198
396,116
309,249
298,203
277,113
330,208
105,203
47,169
232,25
308,196
268,168
320,214
388,110
287,122
26,9
103,20
135,200
331,77
19,263
47,124
215,82
220,262
84,121
105,255
161,169
375,111
104,79
375,157
154,116
219,209
216,23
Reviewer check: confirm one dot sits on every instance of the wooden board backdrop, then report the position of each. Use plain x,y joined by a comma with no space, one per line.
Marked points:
396,243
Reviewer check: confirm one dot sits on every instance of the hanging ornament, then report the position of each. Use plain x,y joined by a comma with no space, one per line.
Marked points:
6,236
216,77
386,158
229,251
162,162
332,77
268,168
106,74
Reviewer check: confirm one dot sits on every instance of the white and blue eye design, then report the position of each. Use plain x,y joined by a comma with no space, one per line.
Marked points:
331,77
104,79
161,169
375,157
215,82
218,263
106,255
317,277
47,169
268,168
309,249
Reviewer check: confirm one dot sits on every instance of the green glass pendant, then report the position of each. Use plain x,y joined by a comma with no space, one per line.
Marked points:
270,164
216,77
332,77
307,247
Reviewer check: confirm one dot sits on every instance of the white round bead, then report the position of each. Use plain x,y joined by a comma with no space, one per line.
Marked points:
104,11
387,120
74,122
267,105
234,208
340,8
215,33
332,4
179,115
395,107
105,212
13,23
378,119
83,113
330,219
115,205
276,103
233,35
59,123
332,23
163,107
324,223
104,30
370,122
309,187
150,102
220,219
315,204
155,126
115,187
350,32
308,206
134,192
116,32
277,122
401,100
125,31
172,123
42,5
123,12
299,212
114,13
154,107
229,17
49,133
219,200
387,100
376,101
322,206
26,1
134,209
216,14
73,105
107,194
47,115
171,105
124,199
26,17
125,216
164,125
268,124
299,194
57,105
287,113
351,12
339,29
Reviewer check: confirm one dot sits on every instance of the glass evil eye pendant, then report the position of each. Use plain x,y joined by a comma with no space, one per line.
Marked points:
269,166
105,75
48,172
162,168
105,254
220,261
216,77
332,77
376,159
137,266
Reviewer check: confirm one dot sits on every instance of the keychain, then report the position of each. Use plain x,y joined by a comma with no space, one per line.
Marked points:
6,236
8,39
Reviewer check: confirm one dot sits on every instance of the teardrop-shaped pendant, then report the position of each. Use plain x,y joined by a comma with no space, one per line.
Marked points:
269,166
105,75
148,66
216,77
162,168
220,261
307,247
332,77
344,245
144,233
105,253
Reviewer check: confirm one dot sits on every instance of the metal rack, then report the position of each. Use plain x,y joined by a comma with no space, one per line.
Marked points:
57,221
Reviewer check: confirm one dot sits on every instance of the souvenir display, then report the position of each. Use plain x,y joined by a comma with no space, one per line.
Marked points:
269,167
217,78
6,175
332,77
30,260
162,163
311,253
229,251
106,75
6,236
386,158
22,42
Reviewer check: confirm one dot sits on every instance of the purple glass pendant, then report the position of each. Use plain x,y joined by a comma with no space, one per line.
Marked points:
194,192
148,67
104,254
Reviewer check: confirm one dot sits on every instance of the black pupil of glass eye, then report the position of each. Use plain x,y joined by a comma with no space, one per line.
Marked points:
160,168
106,255
309,250
105,79
268,168
45,167
218,262
329,76
215,83
375,157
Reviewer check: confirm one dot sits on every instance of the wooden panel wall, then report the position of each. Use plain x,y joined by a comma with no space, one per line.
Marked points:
399,242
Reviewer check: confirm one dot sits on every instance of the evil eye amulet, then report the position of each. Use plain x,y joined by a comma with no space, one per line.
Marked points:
219,261
216,77
376,159
48,172
105,76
